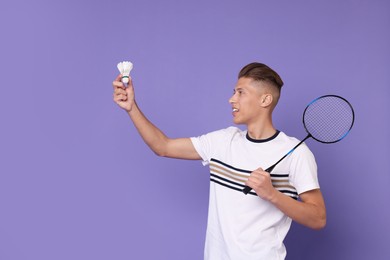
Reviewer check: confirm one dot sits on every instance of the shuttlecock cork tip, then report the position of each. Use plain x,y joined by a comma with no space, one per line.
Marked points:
124,68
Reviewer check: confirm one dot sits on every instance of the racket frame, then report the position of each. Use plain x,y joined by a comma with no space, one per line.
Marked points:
247,189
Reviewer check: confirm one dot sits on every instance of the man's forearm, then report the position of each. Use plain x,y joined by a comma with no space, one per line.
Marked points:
151,135
309,213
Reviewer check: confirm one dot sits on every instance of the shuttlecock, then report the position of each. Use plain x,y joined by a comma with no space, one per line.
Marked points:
124,68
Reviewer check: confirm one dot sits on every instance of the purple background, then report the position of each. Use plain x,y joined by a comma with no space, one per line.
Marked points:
77,182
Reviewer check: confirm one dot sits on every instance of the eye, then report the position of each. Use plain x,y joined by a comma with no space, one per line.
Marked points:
239,91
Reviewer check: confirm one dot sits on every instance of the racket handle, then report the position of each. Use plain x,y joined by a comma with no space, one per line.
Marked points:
246,190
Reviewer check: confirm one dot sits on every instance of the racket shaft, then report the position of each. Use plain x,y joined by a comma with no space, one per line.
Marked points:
247,189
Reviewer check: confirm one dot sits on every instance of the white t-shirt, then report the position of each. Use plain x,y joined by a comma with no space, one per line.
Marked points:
245,226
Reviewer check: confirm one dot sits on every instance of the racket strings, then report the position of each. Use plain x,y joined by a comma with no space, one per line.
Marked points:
328,119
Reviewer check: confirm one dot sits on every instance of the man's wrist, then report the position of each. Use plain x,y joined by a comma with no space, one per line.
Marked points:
273,197
133,109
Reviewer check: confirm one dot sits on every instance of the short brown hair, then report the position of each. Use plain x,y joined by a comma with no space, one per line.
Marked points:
261,72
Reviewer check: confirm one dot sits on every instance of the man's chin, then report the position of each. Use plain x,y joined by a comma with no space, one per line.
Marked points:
237,122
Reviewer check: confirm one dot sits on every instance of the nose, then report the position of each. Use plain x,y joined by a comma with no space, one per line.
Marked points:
232,99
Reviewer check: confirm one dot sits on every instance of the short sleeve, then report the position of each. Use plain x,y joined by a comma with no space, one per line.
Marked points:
207,145
198,144
303,173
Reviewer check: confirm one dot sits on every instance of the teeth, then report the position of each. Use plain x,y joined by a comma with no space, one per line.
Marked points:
235,110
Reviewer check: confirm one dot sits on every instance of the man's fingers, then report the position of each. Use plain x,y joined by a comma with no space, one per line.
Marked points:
258,176
117,83
250,183
122,96
118,91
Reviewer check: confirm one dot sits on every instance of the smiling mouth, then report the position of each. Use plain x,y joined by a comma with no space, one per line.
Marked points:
235,109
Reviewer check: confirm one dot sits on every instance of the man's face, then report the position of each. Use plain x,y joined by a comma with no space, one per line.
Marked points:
246,101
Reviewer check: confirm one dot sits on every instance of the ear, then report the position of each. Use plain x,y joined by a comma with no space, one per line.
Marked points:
266,100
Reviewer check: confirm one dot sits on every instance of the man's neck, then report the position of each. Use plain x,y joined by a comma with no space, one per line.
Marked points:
260,135
261,130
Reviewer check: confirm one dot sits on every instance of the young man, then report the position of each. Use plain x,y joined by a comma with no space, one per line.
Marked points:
242,226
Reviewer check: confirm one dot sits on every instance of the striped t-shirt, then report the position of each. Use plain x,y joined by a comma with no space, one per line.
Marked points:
246,226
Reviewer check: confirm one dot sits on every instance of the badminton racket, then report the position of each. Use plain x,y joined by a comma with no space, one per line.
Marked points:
327,119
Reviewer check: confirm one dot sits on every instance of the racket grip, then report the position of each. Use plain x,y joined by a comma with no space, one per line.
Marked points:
246,190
